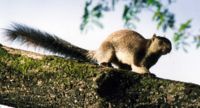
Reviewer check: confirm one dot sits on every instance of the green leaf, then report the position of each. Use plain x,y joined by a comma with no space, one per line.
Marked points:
160,23
97,7
197,41
198,45
149,2
97,14
86,16
185,25
176,37
126,9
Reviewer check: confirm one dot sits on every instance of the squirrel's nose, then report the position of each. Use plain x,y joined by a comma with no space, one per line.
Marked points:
168,49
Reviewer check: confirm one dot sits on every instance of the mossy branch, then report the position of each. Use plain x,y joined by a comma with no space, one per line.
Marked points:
33,80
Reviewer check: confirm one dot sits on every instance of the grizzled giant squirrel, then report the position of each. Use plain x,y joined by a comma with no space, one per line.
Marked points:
123,48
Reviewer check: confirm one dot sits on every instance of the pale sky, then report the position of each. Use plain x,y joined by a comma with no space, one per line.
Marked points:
63,17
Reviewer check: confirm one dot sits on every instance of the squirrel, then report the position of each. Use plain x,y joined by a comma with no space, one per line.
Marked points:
125,49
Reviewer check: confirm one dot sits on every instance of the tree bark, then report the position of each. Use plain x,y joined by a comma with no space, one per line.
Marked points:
33,80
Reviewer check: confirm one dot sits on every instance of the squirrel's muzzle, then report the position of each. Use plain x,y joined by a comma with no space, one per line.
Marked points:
167,49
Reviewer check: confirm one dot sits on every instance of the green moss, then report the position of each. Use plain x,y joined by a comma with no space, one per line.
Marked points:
27,65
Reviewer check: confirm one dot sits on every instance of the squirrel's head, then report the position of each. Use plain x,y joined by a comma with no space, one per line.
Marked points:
160,45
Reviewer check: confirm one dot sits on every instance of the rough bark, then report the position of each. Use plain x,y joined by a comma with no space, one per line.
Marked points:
33,80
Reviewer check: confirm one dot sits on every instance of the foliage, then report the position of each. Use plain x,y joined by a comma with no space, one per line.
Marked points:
197,41
92,15
162,16
181,36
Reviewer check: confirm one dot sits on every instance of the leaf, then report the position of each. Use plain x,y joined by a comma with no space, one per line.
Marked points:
97,7
157,4
83,25
149,2
171,21
185,25
164,27
198,45
160,23
126,9
114,3
171,1
85,16
176,37
197,41
97,14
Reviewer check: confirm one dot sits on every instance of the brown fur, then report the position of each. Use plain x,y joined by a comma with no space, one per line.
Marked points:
127,48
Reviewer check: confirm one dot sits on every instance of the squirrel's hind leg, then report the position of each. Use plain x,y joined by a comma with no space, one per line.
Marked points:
105,54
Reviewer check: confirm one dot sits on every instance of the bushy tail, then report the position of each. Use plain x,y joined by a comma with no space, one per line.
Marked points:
48,41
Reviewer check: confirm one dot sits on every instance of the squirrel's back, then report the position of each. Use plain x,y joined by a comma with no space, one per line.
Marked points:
127,39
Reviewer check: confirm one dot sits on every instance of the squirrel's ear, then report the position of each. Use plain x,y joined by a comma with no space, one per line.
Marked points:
154,35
